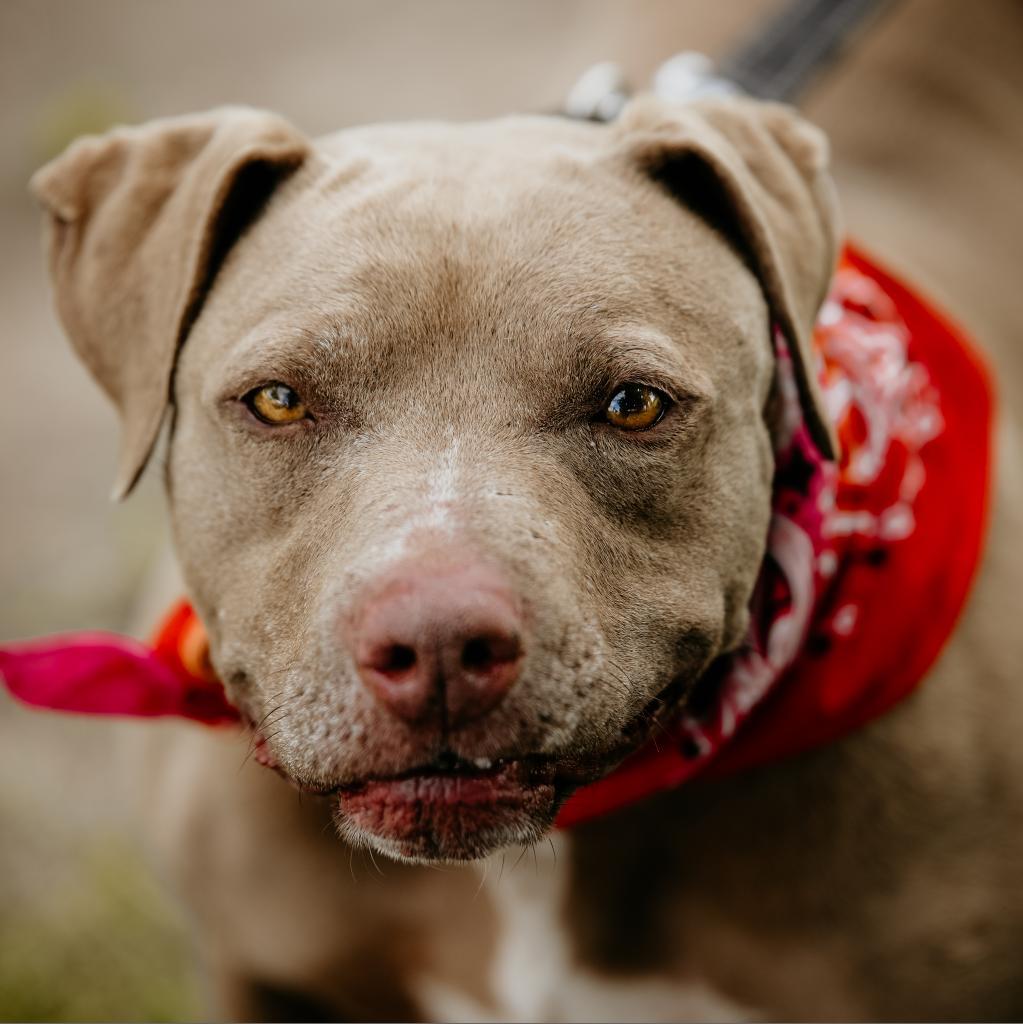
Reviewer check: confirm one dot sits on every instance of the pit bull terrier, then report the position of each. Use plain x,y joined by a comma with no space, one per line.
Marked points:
473,444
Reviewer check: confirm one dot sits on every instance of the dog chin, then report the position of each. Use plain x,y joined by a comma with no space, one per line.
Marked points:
449,817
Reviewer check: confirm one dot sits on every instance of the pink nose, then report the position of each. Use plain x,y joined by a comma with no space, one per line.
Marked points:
440,644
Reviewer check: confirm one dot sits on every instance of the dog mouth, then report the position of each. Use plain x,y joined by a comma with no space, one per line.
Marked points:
450,809
453,809
456,809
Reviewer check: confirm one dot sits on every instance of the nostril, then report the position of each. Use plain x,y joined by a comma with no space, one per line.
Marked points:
394,660
483,653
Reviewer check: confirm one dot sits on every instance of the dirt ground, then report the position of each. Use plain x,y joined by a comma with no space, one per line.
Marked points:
85,930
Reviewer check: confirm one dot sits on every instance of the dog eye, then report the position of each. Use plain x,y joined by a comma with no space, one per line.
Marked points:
276,403
636,407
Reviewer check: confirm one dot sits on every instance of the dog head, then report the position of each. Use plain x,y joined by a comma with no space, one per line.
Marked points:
470,455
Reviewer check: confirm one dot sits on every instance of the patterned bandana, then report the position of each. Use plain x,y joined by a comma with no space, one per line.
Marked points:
863,557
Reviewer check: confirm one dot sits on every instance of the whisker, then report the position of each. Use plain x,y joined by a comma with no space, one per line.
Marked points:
483,880
369,850
518,860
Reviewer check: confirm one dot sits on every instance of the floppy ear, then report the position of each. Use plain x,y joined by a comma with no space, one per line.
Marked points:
757,172
140,220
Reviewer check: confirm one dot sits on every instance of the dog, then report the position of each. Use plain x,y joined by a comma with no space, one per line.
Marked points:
472,444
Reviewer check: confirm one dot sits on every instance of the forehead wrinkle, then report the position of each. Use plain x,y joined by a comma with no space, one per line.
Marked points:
278,346
638,351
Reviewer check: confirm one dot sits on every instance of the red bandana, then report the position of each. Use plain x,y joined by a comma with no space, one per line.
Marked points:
861,556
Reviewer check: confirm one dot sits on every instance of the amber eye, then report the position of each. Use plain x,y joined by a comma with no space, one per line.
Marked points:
276,403
636,407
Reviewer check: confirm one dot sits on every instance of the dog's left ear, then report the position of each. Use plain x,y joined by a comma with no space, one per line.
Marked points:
140,219
758,173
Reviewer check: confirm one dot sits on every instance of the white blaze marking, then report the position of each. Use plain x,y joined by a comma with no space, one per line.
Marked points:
433,506
535,976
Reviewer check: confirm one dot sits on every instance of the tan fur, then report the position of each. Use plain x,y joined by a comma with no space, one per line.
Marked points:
131,217
448,292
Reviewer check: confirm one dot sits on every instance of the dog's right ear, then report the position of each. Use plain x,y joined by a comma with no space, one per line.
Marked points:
141,218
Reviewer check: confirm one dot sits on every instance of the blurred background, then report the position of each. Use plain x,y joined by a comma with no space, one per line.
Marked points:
86,929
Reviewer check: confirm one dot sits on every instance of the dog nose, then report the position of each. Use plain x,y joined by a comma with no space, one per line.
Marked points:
441,645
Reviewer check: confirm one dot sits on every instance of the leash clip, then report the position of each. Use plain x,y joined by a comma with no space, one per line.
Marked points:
602,90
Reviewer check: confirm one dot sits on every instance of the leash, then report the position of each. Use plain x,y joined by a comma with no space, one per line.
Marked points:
777,62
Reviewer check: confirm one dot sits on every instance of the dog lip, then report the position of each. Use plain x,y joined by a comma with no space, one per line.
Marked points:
530,770
565,773
453,815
